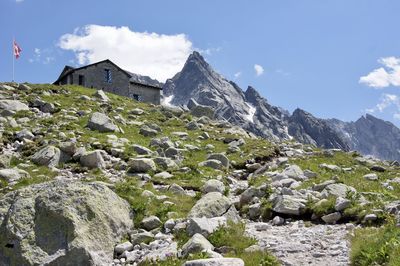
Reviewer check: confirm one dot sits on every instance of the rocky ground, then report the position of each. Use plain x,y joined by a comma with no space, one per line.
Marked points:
298,244
88,178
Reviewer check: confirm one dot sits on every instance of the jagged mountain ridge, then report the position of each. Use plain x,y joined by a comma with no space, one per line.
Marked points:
249,110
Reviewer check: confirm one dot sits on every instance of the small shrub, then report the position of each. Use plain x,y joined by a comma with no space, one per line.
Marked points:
232,235
324,207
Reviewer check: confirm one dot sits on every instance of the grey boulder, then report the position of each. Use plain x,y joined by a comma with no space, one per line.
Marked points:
101,122
142,165
62,223
196,244
212,204
93,159
10,107
49,156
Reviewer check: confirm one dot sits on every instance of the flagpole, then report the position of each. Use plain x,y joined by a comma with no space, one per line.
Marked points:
13,73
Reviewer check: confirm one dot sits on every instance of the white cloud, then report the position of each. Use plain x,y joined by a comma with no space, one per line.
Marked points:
19,1
386,76
43,56
386,101
156,55
237,74
259,70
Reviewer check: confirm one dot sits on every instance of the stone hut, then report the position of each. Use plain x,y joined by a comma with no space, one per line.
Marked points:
107,76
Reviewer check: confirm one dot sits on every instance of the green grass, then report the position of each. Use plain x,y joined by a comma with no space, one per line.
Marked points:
233,236
376,246
142,206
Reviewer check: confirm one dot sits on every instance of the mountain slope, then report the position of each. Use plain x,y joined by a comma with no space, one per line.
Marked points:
249,110
310,130
370,135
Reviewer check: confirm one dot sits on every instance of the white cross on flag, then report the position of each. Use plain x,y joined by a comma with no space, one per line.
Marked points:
17,50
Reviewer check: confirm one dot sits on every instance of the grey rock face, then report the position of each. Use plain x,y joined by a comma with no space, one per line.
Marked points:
62,223
199,82
310,130
101,122
370,136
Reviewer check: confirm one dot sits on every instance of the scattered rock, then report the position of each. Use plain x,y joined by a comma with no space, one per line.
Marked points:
141,165
101,96
331,218
371,177
213,185
146,131
196,244
151,222
49,156
342,203
212,204
93,159
220,157
286,204
204,226
13,174
10,107
101,122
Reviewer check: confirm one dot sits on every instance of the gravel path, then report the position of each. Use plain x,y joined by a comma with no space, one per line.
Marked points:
295,244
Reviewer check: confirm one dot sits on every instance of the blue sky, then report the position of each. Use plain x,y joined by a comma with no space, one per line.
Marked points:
310,53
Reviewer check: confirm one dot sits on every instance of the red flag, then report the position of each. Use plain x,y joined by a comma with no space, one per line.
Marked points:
17,50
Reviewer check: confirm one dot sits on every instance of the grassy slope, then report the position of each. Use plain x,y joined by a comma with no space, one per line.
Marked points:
69,100
366,241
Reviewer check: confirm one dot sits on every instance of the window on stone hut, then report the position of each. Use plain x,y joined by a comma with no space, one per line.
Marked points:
107,75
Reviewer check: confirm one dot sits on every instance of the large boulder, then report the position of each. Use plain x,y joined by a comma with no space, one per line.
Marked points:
212,204
101,122
62,223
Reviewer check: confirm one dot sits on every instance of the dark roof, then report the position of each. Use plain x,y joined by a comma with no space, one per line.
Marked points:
133,78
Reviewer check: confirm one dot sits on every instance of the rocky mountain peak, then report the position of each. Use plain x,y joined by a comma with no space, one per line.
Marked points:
311,130
252,95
